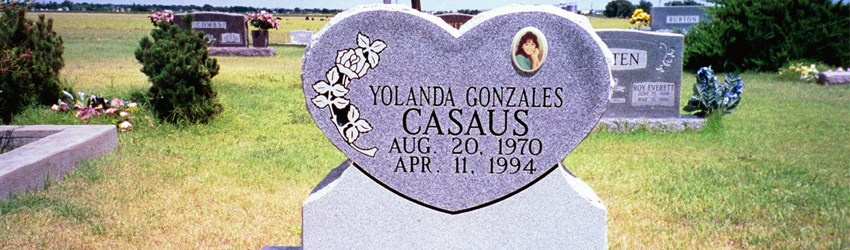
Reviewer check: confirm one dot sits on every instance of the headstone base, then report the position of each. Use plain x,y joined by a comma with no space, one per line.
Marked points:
241,51
652,124
348,210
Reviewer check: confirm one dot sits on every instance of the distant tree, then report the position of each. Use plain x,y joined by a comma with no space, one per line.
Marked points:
619,8
646,6
680,3
469,12
297,10
67,4
207,7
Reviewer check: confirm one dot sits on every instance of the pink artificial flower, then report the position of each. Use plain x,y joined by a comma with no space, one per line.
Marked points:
116,103
125,126
132,105
111,111
55,107
86,112
124,114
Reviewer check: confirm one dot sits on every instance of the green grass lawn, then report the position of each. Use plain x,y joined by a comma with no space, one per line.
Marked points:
773,175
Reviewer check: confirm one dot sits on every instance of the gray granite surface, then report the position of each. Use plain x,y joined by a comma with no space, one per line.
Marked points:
648,71
671,18
413,100
353,212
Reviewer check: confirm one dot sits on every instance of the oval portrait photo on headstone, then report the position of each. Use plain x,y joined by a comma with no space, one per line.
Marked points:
529,49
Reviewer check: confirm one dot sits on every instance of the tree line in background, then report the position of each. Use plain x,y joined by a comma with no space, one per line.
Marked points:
625,8
146,8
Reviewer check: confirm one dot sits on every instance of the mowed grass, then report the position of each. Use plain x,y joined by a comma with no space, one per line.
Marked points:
773,175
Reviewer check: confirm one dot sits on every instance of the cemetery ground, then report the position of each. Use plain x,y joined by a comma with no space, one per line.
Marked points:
773,175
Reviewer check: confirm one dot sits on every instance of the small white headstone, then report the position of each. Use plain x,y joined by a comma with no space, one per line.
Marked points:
300,37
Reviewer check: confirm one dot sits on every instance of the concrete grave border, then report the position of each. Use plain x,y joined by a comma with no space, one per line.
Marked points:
50,151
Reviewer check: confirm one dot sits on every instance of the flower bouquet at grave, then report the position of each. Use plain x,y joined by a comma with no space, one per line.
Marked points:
711,96
161,16
121,111
804,73
641,18
263,21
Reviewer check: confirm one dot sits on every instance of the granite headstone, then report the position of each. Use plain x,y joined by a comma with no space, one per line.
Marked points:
300,37
648,72
432,113
452,125
221,29
671,18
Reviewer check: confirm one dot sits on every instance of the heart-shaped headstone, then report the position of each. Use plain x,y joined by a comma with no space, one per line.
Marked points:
455,119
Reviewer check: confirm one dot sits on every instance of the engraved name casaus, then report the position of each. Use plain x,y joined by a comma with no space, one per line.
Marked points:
443,117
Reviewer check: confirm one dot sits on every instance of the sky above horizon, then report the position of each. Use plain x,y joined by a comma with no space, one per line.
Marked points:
346,4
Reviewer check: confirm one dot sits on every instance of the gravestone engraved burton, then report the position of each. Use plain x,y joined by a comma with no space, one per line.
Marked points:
452,144
671,18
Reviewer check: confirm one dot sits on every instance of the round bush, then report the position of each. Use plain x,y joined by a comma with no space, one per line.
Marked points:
178,64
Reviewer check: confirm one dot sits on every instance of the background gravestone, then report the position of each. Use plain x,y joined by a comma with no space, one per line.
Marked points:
452,145
221,29
300,37
648,72
455,19
670,18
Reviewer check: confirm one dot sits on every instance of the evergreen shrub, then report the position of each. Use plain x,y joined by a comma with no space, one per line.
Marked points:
177,63
30,60
764,35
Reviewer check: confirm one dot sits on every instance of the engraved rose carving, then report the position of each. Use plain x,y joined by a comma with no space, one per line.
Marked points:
334,87
352,63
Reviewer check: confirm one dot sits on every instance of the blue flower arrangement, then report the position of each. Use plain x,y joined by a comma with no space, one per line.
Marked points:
711,96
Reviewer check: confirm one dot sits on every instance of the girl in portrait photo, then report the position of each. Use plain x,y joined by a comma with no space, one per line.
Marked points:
529,53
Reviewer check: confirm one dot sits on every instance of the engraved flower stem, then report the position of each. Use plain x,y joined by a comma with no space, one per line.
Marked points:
370,152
